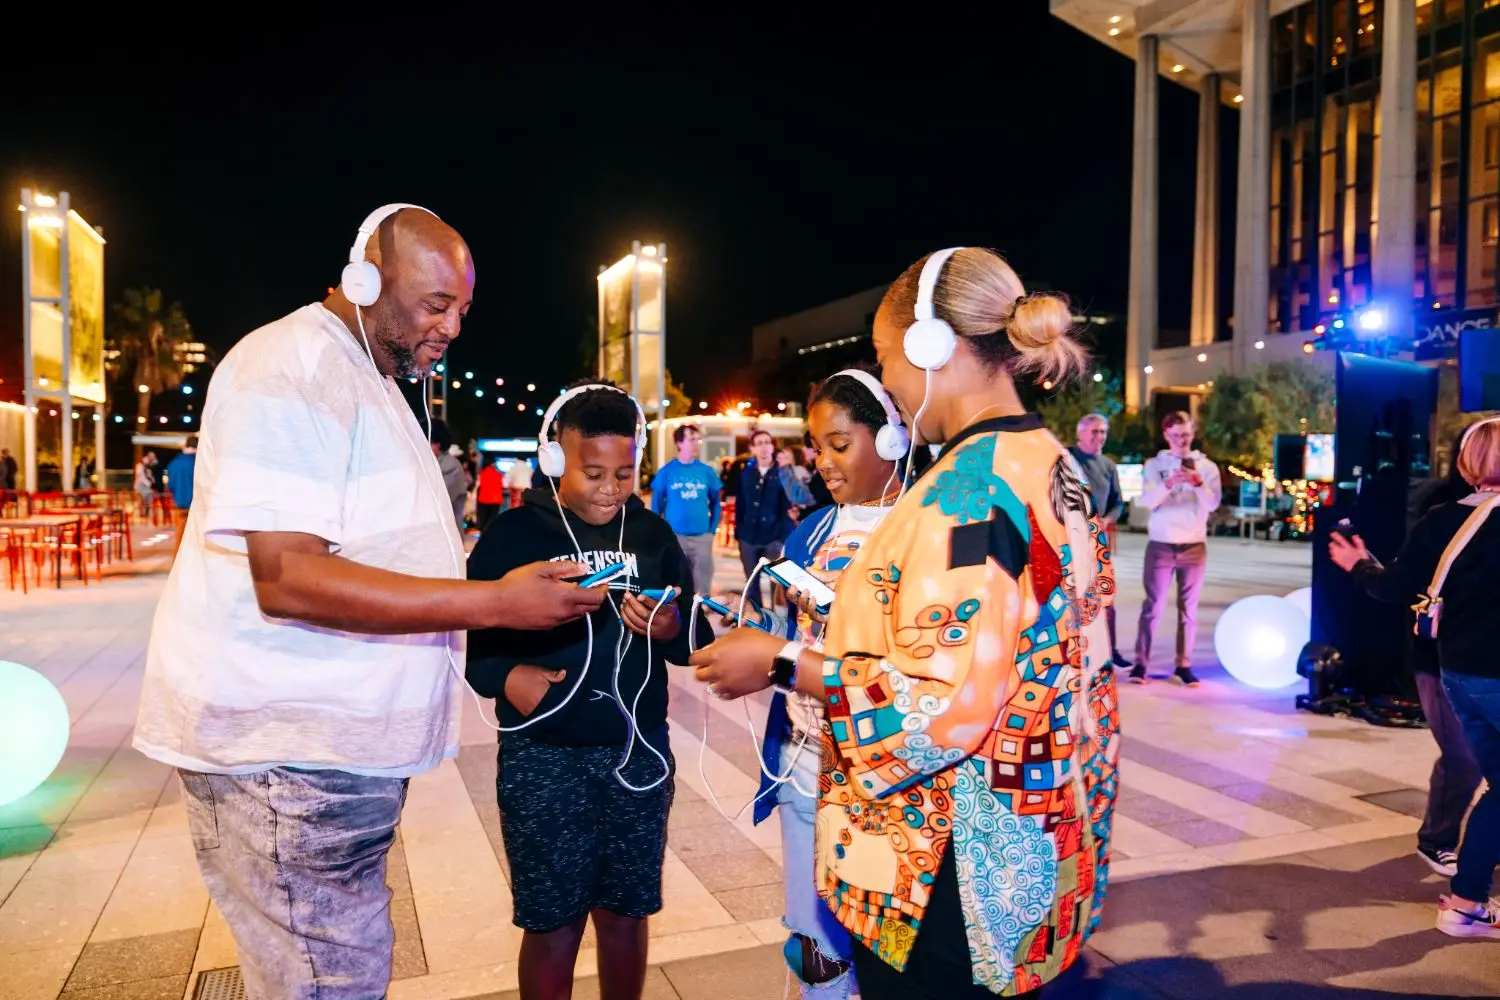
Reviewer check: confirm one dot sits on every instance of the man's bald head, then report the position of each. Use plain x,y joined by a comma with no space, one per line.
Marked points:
426,286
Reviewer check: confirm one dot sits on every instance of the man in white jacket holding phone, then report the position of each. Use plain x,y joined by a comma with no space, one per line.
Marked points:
1181,489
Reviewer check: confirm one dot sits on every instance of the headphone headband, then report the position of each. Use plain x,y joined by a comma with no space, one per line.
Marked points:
579,390
927,283
1468,432
372,222
876,389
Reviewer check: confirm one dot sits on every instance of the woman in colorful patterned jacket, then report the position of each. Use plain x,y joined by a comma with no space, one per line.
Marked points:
967,788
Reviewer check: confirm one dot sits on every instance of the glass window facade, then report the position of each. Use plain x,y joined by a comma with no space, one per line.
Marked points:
1325,151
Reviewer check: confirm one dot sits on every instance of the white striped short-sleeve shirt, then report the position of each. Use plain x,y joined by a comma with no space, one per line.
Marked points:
300,434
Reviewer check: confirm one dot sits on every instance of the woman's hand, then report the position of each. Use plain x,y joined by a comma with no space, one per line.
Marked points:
737,664
526,686
1347,553
805,604
635,611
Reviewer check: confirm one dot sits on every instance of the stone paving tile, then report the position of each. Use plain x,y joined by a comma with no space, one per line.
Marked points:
407,958
719,872
1406,801
658,987
753,902
1288,804
1199,833
128,960
1364,782
161,988
1146,808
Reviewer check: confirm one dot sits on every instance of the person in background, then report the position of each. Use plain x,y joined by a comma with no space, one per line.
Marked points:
1104,486
762,519
1466,644
518,480
454,479
145,482
1180,487
686,493
489,496
1455,773
180,482
794,479
8,469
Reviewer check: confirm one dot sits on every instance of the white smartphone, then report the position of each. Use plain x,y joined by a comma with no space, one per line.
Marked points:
789,574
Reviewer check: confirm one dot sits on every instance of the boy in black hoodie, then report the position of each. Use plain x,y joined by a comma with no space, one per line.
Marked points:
578,840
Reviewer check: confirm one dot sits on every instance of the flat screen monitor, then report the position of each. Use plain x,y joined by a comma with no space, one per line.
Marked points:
1479,370
1317,458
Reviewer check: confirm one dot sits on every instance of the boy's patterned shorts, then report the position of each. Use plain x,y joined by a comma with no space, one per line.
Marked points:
575,838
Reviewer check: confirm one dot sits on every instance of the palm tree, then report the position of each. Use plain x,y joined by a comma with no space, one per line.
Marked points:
141,348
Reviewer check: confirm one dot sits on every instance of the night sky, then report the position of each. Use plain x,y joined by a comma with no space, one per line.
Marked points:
780,173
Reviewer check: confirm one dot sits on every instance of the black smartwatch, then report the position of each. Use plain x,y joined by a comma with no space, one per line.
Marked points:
784,667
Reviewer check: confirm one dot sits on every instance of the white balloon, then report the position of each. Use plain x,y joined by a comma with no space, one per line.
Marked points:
1302,597
1258,640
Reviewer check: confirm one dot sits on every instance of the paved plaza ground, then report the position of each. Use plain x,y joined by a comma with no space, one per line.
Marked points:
1259,852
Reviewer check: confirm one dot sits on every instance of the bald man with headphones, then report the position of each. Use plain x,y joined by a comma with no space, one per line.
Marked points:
306,659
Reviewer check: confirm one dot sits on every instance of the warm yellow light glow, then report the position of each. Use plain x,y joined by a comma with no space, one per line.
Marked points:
46,220
1239,98
1115,19
88,228
44,200
649,251
624,263
1113,32
1177,68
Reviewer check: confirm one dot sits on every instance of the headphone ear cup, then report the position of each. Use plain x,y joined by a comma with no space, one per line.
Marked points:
550,459
361,282
892,442
929,343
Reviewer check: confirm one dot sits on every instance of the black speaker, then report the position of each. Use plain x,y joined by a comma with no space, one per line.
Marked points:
1291,453
1385,412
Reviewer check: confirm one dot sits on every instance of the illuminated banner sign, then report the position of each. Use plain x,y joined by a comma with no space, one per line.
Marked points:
1437,333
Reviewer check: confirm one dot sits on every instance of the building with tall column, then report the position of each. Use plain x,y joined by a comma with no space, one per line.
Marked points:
1367,201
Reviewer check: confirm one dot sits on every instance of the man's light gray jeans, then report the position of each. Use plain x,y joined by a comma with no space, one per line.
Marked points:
1163,560
295,860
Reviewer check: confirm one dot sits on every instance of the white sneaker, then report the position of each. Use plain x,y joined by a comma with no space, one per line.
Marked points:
1465,923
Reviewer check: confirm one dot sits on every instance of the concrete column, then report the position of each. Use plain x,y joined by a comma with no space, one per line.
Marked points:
1252,238
1141,309
101,414
1395,260
1206,217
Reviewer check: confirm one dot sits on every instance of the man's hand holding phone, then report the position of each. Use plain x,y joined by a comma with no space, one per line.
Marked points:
538,596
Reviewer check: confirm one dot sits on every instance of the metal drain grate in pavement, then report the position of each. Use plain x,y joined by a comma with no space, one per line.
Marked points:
220,984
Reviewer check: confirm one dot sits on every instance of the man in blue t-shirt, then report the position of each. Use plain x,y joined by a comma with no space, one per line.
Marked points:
686,493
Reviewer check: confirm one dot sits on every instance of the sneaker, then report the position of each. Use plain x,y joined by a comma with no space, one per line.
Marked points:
1445,863
1119,660
1455,922
1186,676
1138,674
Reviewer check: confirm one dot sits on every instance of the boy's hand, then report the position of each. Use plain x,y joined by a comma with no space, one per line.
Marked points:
526,686
635,611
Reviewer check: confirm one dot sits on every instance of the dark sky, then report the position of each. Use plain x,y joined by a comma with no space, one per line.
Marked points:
780,172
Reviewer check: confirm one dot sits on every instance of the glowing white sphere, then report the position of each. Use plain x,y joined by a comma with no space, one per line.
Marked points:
1302,597
1259,638
33,730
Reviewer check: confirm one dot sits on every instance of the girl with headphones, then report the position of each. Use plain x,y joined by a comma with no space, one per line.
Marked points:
859,442
962,827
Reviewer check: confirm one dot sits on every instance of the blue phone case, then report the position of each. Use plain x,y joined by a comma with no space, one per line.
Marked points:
604,575
656,595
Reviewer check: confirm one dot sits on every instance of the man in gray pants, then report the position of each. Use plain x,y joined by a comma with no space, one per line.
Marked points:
1181,489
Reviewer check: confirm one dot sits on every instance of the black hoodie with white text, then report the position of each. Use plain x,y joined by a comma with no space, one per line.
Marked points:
534,532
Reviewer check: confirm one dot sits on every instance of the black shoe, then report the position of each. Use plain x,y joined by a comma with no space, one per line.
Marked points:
1186,675
1138,674
1120,661
1444,863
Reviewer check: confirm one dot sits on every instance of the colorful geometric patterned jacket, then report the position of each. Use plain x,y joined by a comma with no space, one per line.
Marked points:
972,710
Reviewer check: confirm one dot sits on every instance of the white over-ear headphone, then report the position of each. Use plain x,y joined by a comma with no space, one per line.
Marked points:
549,454
891,441
361,279
930,341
